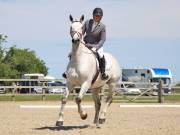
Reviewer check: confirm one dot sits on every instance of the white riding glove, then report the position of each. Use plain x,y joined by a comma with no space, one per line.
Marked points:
93,49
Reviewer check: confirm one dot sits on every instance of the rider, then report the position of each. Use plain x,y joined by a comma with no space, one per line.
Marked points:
95,36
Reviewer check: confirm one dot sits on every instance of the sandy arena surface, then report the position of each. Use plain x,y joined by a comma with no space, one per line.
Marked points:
120,121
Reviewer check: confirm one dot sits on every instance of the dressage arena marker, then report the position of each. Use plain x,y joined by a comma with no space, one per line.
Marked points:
150,106
52,106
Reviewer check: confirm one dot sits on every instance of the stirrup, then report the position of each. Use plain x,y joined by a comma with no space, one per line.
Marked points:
64,75
104,76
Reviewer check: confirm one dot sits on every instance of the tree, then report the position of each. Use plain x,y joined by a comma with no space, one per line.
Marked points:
7,72
24,61
16,62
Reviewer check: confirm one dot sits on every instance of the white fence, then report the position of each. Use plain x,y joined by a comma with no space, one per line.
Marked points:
14,86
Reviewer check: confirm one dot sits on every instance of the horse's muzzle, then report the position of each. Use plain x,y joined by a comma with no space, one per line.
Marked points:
75,41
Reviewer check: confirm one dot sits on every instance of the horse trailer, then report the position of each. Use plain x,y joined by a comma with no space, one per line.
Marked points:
149,76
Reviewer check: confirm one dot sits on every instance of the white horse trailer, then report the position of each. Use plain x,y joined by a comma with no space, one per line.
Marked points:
149,75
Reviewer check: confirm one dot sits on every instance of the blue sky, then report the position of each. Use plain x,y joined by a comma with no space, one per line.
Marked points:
140,33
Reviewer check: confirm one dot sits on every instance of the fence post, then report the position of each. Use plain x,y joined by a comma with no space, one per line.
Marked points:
29,85
13,91
160,92
43,90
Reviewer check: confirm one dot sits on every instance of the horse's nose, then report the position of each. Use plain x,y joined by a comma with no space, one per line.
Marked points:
73,40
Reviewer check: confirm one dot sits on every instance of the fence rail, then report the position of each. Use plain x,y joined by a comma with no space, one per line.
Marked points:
13,86
40,80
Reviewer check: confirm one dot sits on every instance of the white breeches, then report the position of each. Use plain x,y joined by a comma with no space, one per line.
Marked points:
100,52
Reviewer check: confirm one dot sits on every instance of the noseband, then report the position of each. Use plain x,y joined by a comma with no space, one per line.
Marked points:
76,32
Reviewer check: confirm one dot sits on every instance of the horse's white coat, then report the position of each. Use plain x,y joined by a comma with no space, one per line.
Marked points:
81,70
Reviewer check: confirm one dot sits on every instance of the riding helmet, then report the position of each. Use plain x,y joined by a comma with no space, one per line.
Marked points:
98,11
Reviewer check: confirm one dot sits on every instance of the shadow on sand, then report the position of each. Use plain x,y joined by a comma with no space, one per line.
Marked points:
55,128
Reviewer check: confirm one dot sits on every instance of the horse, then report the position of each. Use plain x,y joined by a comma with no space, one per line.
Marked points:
83,71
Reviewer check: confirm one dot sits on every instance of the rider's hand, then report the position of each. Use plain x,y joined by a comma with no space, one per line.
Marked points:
93,49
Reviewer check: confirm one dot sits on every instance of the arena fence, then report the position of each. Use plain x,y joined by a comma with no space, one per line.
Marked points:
13,88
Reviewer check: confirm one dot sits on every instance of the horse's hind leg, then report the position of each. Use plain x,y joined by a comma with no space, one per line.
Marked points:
63,103
96,98
108,101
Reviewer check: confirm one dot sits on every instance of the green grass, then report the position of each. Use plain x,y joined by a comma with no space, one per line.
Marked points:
38,97
57,97
27,97
172,97
5,97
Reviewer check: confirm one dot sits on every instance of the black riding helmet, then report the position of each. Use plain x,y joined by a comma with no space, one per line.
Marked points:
98,11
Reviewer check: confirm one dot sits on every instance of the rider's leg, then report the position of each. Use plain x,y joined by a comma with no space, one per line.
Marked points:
102,63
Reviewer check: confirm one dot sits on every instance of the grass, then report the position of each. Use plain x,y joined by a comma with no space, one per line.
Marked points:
5,97
38,97
57,97
172,97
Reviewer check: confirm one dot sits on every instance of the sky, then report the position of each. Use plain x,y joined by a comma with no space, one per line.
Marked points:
140,33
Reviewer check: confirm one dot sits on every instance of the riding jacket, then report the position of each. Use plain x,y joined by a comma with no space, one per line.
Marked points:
96,37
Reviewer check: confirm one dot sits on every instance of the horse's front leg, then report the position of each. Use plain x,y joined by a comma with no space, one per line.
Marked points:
63,103
84,88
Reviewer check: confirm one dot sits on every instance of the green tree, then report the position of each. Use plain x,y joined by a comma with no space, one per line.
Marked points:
7,72
24,61
16,62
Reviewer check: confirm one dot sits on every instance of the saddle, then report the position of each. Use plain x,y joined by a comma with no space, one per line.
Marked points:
108,65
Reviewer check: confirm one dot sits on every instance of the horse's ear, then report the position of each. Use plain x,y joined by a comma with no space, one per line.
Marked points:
71,18
82,18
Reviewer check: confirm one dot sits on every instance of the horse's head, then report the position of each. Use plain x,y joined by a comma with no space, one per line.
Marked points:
76,29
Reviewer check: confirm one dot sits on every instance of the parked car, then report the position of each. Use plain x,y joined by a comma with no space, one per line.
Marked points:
130,88
40,90
61,87
2,91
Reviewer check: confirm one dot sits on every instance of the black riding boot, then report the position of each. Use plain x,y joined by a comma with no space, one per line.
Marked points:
102,65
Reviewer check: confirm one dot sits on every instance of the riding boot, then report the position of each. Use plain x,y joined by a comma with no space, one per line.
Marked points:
102,65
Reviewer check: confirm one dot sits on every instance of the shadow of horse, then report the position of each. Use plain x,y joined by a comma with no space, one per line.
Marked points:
56,128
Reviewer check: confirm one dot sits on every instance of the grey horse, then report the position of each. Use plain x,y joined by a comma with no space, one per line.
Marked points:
82,70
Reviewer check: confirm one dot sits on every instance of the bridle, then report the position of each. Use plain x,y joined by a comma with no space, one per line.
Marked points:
80,35
75,32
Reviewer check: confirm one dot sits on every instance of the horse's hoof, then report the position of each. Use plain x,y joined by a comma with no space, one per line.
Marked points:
84,116
101,121
59,123
98,126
